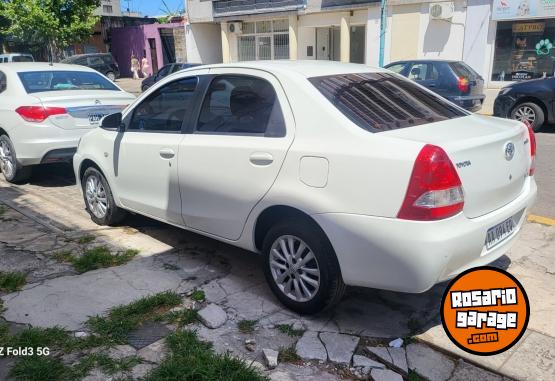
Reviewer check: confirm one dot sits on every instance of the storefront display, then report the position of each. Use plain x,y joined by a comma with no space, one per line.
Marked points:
524,50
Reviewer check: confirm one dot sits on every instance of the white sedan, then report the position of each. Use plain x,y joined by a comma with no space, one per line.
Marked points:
45,109
337,174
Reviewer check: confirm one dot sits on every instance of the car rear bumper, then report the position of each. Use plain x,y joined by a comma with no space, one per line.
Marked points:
411,256
43,143
471,103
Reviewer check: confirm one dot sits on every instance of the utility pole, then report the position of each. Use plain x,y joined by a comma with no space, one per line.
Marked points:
383,28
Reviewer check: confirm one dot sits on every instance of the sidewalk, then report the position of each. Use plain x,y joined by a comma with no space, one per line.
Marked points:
49,211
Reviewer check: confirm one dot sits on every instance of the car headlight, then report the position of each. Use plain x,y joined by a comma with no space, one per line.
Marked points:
505,90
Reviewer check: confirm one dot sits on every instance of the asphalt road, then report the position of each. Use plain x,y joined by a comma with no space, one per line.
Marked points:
545,173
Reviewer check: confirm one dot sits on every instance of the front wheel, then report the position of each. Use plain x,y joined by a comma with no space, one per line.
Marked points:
301,267
99,201
529,112
12,171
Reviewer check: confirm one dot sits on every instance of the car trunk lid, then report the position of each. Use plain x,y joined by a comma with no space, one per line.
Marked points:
84,108
479,148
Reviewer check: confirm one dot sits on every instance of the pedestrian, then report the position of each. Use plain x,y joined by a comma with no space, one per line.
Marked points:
144,67
135,66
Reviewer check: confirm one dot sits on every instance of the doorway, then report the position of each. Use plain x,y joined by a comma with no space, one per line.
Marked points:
328,43
153,54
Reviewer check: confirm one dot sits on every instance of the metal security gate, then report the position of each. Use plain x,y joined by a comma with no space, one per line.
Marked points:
264,40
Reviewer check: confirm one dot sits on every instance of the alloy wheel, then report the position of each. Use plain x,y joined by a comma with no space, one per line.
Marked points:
97,199
7,159
525,114
294,268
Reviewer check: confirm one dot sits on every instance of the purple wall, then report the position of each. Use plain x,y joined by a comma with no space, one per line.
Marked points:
134,40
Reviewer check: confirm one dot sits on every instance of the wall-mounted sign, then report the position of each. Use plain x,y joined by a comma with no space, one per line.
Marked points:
522,9
529,27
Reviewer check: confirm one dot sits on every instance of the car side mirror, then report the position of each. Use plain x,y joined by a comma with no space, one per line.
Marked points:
112,122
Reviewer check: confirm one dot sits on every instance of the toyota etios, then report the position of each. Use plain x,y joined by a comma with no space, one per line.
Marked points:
337,174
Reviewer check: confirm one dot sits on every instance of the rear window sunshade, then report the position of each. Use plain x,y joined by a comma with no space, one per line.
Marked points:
384,101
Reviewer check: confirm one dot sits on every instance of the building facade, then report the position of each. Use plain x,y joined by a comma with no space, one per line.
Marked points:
340,30
503,40
109,8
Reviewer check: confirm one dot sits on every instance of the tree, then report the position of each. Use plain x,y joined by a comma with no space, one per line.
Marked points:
53,24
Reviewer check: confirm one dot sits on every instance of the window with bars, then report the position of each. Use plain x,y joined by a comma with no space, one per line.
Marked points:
264,40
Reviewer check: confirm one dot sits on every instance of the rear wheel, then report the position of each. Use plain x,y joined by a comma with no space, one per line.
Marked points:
99,200
111,76
12,171
301,267
529,112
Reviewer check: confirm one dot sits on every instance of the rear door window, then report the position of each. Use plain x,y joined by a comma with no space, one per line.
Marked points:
241,105
95,61
384,101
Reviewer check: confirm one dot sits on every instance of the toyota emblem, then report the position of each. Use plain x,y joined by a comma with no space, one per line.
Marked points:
509,151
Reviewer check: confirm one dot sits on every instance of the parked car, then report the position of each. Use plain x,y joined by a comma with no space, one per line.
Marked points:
164,72
338,174
102,62
16,57
531,101
44,111
453,80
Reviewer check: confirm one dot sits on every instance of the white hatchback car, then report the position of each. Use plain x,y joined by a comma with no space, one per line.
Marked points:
45,109
338,174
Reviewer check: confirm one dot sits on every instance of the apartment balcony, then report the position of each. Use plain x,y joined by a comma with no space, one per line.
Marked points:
331,4
224,8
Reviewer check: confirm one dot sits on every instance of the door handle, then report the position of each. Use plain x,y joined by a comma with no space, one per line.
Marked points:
166,153
261,158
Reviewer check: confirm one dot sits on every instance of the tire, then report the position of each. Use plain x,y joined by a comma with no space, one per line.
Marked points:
111,76
98,198
310,299
531,112
13,172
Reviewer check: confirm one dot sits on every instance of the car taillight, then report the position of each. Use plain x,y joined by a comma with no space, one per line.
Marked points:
39,113
463,84
435,190
532,139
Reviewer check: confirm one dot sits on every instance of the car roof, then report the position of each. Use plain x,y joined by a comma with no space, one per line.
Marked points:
423,60
306,69
15,54
18,67
88,55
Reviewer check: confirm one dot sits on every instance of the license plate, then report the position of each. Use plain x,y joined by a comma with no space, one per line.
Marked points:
501,232
95,118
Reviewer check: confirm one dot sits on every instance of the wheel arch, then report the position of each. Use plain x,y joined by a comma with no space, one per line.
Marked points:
531,99
4,132
86,164
272,214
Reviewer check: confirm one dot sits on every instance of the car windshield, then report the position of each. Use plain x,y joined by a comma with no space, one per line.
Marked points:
42,81
22,59
384,101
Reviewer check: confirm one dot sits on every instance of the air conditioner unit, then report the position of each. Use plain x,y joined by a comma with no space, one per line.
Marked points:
235,27
442,11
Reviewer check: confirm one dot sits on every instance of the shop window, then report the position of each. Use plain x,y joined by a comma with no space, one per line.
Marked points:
524,50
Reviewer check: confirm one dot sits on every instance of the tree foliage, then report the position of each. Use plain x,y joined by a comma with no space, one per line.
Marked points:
51,23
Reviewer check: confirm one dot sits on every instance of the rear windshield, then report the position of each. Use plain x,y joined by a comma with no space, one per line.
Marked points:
384,101
463,70
22,59
41,81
